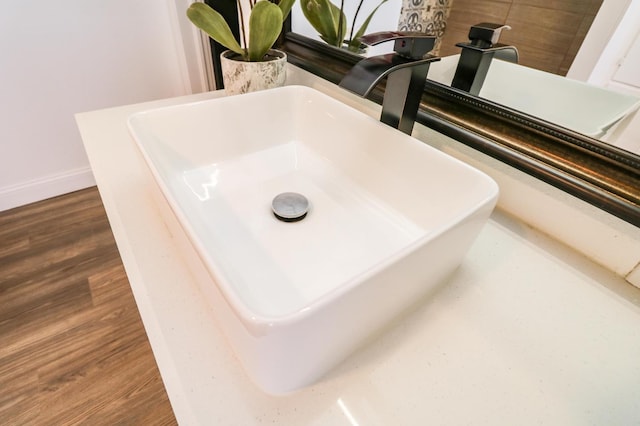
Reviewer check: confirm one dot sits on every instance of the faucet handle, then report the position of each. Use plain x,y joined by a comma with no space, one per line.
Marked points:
486,34
410,44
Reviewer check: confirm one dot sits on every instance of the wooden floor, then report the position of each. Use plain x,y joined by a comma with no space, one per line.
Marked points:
73,349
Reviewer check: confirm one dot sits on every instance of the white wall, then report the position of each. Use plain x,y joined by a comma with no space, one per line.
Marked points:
62,57
610,38
595,44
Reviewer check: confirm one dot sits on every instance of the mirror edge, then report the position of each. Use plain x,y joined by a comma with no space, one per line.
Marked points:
600,174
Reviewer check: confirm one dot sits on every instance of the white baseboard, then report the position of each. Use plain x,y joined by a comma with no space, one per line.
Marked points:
45,187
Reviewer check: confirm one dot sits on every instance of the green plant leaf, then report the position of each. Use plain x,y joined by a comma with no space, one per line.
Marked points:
324,17
285,6
337,15
212,23
354,43
265,24
311,11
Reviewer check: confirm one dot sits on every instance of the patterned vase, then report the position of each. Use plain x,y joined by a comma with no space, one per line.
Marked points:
242,77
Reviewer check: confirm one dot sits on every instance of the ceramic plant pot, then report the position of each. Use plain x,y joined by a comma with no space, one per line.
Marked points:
242,77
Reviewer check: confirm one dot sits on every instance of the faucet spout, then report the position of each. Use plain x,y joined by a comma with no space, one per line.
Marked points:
367,73
406,71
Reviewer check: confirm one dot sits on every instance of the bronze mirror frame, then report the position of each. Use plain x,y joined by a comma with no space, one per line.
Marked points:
596,172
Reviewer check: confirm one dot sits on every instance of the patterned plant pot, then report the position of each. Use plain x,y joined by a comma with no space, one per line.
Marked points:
242,77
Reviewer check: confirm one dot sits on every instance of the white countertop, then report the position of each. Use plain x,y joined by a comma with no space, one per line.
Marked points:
526,331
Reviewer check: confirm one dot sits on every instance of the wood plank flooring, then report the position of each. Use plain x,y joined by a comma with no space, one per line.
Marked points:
73,349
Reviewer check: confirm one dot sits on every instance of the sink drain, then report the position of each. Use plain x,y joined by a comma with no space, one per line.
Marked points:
290,206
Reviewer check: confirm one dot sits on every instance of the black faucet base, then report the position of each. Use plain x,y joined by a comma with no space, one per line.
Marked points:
400,107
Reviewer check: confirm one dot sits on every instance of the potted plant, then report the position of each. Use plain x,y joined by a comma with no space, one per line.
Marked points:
255,65
331,22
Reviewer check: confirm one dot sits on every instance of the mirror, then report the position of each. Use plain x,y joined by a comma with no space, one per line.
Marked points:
597,172
548,38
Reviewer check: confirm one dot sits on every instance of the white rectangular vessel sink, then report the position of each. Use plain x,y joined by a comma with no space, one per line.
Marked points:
389,219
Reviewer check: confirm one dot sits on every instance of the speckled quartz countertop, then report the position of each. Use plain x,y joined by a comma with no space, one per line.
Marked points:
526,331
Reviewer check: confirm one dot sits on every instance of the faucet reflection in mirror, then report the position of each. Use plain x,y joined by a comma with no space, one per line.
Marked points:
477,54
406,70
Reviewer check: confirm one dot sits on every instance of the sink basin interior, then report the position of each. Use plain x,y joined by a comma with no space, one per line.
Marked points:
277,267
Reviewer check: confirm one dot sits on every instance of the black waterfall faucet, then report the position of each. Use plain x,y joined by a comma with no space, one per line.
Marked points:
477,54
406,71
